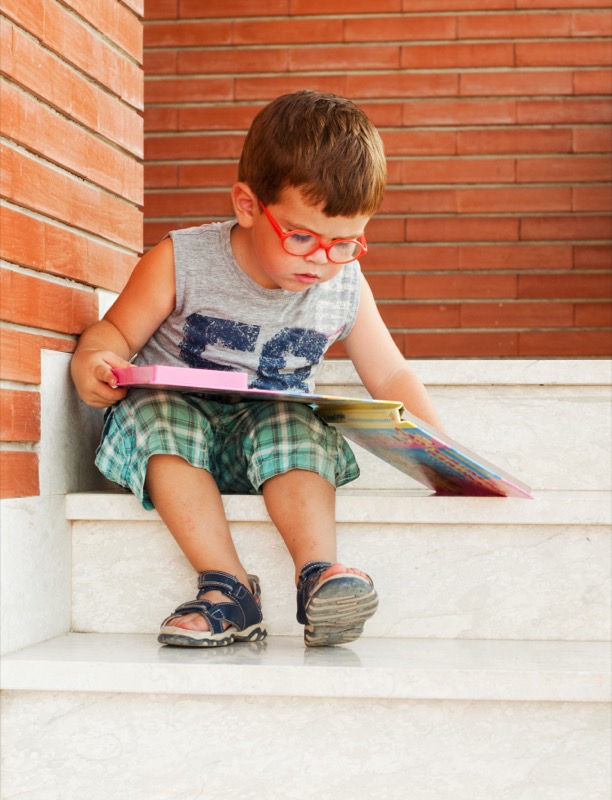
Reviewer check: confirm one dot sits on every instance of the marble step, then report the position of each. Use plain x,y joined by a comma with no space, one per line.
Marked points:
552,445
117,716
545,425
412,669
445,567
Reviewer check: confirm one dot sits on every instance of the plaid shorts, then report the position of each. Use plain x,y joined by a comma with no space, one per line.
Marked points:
241,444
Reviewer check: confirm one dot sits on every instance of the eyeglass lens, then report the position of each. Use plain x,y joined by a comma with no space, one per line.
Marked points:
300,244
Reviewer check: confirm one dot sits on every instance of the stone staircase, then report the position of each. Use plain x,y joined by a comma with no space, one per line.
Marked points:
485,673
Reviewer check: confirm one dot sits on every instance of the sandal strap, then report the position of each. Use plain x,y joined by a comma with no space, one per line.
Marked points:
313,567
308,579
246,611
204,608
215,614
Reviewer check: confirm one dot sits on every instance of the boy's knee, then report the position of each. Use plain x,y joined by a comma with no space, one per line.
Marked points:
281,411
287,422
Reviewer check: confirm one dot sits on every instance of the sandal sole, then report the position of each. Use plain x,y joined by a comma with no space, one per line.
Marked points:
256,633
338,610
181,637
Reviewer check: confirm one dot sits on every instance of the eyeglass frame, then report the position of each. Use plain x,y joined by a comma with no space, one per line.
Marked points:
284,235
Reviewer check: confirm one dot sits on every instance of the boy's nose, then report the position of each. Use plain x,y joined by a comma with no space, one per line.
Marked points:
318,257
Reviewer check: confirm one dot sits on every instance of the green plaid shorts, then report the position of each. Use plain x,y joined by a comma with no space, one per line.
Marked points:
241,444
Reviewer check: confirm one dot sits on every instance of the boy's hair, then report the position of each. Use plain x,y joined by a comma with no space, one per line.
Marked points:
320,143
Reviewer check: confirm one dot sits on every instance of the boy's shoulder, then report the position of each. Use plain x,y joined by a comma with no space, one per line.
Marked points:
207,229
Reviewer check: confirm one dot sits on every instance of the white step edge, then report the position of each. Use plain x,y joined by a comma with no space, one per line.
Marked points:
486,372
282,666
546,508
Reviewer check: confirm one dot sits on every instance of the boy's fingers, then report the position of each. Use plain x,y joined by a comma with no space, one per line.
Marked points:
109,362
107,394
104,374
115,361
118,394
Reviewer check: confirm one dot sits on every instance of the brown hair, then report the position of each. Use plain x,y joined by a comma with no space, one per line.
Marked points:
323,144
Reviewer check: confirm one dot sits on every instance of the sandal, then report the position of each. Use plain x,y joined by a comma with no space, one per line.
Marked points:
243,613
334,611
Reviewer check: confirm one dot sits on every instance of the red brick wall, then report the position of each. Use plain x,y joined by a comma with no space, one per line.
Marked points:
71,184
494,239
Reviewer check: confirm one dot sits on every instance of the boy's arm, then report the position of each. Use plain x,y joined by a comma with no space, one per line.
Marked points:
145,302
380,365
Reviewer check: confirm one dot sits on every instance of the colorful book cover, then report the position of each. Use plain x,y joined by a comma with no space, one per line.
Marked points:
382,427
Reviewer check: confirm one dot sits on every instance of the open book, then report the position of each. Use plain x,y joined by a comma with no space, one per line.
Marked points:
383,427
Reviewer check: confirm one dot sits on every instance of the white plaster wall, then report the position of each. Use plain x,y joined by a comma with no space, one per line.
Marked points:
35,545
70,431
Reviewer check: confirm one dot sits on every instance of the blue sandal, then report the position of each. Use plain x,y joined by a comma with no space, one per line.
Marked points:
334,612
243,613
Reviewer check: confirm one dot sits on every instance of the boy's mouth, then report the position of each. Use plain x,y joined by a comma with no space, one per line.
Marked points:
307,277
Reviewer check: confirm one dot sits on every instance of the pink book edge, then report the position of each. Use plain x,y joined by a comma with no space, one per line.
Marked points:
185,377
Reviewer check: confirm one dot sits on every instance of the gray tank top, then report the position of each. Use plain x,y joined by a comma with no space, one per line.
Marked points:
224,320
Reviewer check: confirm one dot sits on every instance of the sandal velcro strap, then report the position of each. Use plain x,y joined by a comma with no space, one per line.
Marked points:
205,608
231,587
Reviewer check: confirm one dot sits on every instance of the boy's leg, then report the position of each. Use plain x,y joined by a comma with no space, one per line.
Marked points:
302,506
298,461
333,603
189,502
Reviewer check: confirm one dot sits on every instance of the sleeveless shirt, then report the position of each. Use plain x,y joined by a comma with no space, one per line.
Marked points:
224,320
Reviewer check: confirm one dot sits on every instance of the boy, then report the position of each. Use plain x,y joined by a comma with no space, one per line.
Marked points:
267,294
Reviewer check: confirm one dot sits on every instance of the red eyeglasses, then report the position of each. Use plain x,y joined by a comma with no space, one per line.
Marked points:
305,243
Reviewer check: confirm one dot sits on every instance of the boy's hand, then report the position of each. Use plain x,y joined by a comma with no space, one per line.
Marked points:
93,378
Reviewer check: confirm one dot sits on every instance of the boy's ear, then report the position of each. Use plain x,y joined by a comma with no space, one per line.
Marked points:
245,204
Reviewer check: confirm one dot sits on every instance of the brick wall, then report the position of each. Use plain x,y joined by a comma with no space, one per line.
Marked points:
71,184
494,239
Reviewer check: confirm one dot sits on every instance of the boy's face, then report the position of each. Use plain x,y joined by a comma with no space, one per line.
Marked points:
264,259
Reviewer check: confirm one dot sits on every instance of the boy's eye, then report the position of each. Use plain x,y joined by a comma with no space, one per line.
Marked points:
300,244
345,246
302,238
